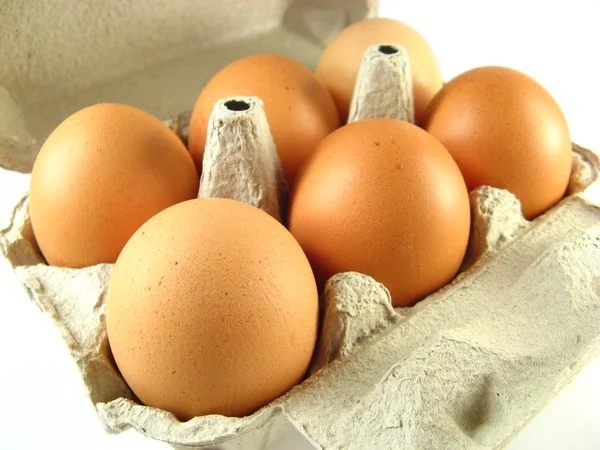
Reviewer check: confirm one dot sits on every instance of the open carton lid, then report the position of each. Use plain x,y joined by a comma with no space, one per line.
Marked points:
62,56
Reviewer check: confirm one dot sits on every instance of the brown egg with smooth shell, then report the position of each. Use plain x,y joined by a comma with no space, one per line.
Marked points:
384,198
340,62
99,176
299,109
212,308
505,130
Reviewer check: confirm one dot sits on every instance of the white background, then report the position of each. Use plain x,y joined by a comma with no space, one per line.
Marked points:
556,42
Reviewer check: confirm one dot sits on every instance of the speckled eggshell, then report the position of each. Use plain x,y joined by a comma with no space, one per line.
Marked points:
212,308
505,130
299,109
99,176
340,62
384,198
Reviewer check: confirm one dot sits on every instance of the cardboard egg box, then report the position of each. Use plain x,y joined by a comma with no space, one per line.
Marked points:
467,367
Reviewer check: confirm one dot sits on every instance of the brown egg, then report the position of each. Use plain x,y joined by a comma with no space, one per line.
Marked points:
101,174
212,308
340,62
505,130
299,109
384,198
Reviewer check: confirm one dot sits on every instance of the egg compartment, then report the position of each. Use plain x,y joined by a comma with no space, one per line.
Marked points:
465,368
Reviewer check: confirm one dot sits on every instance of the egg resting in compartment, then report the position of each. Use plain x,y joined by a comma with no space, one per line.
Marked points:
99,176
506,131
299,109
340,62
384,198
212,308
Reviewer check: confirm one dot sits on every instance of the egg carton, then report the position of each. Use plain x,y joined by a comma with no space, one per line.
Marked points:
467,367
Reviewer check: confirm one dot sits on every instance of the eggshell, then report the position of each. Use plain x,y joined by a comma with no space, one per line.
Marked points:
505,130
384,198
299,109
340,62
101,174
212,308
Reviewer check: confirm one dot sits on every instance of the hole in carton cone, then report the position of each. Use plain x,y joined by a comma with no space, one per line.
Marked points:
237,105
388,49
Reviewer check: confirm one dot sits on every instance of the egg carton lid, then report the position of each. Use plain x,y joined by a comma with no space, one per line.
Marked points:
67,55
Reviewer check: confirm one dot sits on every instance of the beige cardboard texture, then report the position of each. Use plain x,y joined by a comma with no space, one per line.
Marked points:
246,168
383,86
60,56
466,368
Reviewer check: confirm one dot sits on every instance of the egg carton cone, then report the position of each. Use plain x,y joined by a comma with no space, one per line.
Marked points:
467,367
